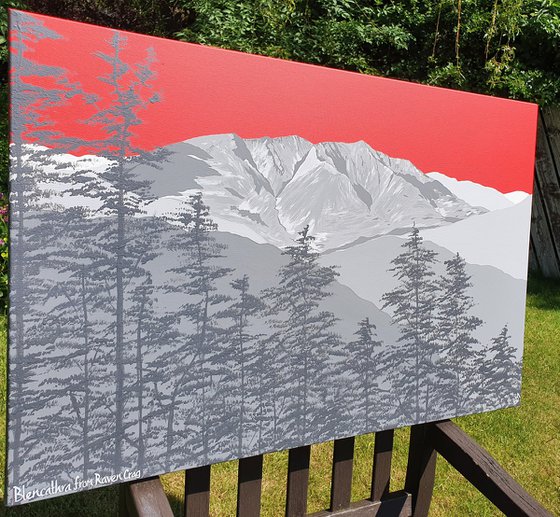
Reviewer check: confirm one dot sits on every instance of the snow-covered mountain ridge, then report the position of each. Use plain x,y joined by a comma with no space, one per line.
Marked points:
268,189
479,195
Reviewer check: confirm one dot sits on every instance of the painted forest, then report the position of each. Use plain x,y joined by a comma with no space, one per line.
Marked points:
135,342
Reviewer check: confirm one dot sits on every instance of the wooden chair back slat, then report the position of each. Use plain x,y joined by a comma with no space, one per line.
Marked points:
197,492
249,482
341,486
421,469
382,456
144,497
298,481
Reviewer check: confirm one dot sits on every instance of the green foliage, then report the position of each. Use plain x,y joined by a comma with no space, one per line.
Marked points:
508,48
4,34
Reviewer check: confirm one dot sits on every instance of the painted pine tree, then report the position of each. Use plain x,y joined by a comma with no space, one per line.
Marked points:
303,334
82,352
143,314
163,372
364,358
457,354
196,277
29,121
70,330
413,302
264,385
276,380
121,193
242,357
84,355
500,372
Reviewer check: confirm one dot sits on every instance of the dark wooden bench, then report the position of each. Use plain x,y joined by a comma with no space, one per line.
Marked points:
146,498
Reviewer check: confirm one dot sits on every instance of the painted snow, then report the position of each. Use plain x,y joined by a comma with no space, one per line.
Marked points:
221,297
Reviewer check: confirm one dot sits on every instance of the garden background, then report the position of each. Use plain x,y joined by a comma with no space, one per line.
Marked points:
508,48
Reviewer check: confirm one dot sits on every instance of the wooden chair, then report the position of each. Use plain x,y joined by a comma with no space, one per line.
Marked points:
146,498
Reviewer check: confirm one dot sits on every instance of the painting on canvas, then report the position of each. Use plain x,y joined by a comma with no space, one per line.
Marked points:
216,255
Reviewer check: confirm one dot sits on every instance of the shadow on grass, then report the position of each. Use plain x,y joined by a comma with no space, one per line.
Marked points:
176,504
543,293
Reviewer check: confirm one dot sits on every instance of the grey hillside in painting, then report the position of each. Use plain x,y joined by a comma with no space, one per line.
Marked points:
176,308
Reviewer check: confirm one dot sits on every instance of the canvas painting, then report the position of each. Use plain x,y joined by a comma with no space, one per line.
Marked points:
216,255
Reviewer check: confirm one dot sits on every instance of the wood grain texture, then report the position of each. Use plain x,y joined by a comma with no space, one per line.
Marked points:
144,498
197,492
249,482
484,472
382,457
545,221
298,481
551,188
534,266
540,235
421,469
341,486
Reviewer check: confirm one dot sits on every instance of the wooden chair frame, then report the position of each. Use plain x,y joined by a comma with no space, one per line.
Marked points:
146,498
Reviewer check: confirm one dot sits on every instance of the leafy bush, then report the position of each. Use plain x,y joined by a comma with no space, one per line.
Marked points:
500,47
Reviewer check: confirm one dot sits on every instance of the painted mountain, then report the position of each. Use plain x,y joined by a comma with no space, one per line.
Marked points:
267,290
260,188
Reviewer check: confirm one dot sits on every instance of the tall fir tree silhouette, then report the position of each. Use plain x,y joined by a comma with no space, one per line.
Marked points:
457,356
413,302
162,386
365,358
82,352
500,372
129,91
143,313
243,353
198,275
29,122
305,333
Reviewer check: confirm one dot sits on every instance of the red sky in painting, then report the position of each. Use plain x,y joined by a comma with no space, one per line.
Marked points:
206,91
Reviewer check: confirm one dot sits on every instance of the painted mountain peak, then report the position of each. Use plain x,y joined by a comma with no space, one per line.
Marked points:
267,189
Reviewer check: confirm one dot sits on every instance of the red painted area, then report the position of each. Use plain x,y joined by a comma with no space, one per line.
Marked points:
207,90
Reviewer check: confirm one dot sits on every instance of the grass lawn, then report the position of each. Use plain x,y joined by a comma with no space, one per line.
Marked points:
525,440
